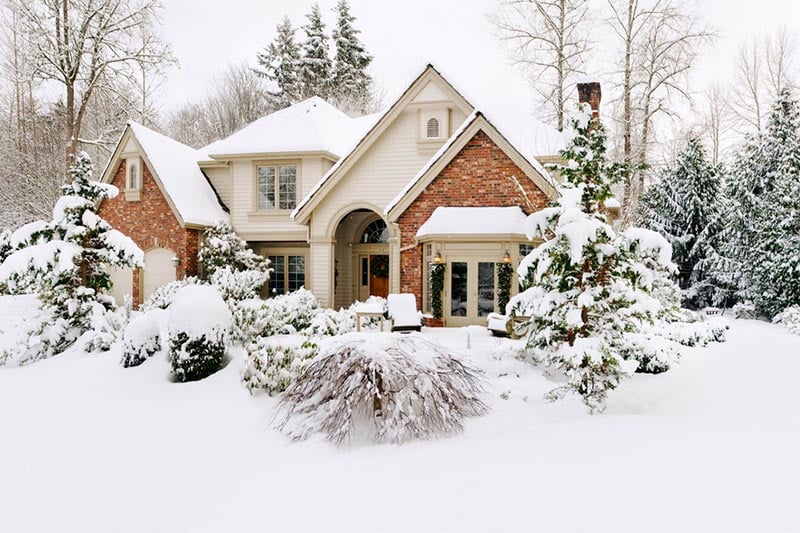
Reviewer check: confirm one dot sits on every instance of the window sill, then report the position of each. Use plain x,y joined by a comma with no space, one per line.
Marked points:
262,215
133,195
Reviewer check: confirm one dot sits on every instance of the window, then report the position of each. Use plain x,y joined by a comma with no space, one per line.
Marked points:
433,129
375,233
133,179
525,249
277,187
288,273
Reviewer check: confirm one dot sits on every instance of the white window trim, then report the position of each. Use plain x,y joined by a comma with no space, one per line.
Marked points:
133,194
442,115
277,166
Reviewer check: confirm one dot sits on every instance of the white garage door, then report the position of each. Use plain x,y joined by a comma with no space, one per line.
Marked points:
122,279
158,270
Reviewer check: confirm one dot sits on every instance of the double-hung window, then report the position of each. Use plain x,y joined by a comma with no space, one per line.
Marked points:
277,187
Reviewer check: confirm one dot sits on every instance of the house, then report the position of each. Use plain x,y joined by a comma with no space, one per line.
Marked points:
347,207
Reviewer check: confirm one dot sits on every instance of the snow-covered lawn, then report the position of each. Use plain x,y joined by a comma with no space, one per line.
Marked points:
713,445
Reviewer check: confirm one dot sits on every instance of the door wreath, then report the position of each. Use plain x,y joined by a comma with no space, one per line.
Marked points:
379,266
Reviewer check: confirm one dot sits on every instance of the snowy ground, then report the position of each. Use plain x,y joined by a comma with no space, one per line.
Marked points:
88,446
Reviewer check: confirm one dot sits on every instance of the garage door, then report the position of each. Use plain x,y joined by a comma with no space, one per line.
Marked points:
158,270
122,279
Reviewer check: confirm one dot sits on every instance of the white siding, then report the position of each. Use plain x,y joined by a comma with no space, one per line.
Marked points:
265,226
381,172
221,180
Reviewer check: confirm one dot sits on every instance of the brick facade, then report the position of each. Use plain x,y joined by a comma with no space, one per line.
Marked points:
476,177
151,223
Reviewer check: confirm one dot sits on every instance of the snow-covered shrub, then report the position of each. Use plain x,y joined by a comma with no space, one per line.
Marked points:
285,314
106,327
65,262
162,297
221,247
141,340
199,324
789,317
745,310
384,388
236,285
272,364
329,323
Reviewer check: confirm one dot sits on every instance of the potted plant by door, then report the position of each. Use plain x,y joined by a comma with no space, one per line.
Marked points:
437,285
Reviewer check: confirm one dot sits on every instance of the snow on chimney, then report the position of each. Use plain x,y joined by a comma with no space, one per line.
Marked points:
589,93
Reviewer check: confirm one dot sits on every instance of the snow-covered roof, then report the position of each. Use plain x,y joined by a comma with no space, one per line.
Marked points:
474,221
529,136
176,166
452,140
312,125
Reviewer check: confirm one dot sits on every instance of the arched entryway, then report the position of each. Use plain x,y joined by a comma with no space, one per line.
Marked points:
158,270
361,266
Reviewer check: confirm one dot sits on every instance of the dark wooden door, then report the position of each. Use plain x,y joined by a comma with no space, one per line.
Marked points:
379,275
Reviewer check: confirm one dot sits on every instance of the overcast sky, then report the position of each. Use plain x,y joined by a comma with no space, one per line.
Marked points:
404,35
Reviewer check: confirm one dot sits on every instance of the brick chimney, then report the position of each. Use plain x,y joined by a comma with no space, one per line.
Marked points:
589,93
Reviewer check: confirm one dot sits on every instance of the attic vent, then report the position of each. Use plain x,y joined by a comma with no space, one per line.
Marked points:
432,129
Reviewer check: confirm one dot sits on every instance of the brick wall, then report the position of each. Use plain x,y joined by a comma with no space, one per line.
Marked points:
151,223
476,177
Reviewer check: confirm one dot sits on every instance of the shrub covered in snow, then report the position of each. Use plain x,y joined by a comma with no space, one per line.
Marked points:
745,310
199,324
141,340
223,248
282,315
384,388
65,262
106,327
162,297
789,317
235,285
272,364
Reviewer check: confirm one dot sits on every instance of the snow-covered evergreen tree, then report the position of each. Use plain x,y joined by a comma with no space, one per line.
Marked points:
315,62
685,206
226,261
352,86
760,253
66,262
588,289
280,63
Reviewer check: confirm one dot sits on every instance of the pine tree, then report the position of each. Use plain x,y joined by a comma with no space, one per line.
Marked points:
685,206
315,63
760,253
280,64
65,261
352,85
588,291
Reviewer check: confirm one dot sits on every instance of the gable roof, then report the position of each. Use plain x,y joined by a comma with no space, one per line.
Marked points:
175,169
312,125
306,205
522,136
474,123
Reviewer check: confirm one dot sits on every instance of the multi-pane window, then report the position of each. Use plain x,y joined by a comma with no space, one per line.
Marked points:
277,187
288,273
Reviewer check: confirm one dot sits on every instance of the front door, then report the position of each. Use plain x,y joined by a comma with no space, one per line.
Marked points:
470,291
379,275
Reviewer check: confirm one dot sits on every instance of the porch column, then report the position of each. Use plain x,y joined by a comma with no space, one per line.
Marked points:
321,255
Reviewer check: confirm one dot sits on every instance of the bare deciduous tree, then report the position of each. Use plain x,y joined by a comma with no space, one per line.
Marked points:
549,39
89,47
763,68
659,41
238,96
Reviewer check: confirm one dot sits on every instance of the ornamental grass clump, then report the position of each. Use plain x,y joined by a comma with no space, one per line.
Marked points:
382,388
